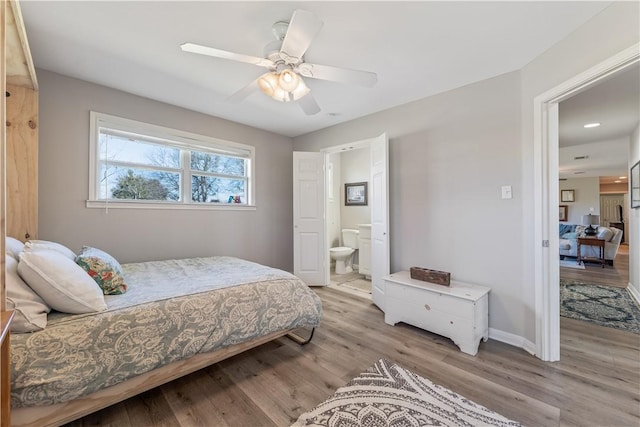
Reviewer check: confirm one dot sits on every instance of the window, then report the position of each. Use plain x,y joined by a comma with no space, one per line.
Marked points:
136,164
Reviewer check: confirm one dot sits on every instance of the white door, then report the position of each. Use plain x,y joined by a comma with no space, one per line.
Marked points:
609,210
309,243
379,217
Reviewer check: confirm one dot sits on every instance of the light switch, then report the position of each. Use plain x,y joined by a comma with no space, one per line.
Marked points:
506,192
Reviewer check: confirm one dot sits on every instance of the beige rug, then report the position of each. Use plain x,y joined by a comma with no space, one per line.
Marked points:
388,395
571,263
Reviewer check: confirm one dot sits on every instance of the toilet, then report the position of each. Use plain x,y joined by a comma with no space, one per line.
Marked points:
343,255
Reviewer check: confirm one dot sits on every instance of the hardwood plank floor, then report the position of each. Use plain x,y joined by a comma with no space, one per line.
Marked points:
616,275
596,383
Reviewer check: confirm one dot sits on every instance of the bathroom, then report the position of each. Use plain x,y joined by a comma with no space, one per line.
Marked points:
349,221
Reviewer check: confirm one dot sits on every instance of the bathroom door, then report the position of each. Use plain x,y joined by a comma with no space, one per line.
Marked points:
309,243
380,264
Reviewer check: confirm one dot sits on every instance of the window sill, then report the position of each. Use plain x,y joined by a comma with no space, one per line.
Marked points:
101,204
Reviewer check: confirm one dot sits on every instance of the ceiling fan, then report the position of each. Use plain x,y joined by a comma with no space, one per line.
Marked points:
284,58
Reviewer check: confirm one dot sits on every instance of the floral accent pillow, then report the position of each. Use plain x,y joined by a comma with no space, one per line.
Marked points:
104,269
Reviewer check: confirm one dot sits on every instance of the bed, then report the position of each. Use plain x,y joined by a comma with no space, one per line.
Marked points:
176,316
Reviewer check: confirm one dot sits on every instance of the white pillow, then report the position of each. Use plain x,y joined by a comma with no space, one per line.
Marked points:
60,282
33,245
30,311
13,247
605,234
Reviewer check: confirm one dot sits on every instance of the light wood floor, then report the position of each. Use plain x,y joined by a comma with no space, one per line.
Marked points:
616,275
597,382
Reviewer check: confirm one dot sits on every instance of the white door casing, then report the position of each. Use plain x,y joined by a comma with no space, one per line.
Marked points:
545,250
380,265
310,253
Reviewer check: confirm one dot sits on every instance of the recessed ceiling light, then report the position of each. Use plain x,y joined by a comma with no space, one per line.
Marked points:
617,181
592,125
622,177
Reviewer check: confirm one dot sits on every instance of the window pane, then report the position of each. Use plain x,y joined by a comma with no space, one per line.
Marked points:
138,184
216,163
120,149
208,189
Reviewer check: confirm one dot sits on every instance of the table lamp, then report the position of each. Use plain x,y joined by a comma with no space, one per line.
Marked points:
591,220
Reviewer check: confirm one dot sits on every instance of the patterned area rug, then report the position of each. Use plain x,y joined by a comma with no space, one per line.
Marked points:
603,305
389,395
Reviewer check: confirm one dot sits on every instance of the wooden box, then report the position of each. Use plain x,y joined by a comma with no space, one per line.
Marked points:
432,276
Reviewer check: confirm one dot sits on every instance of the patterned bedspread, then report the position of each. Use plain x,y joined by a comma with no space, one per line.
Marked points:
172,310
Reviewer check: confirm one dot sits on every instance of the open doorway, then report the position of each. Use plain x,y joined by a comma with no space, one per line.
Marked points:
348,218
546,125
312,235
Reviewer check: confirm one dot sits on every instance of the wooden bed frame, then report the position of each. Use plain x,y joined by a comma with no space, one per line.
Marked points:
62,413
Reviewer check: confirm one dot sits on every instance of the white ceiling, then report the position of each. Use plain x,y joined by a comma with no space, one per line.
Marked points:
615,104
417,49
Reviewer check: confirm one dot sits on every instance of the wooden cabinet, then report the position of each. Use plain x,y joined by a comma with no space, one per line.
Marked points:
459,311
18,168
21,131
22,162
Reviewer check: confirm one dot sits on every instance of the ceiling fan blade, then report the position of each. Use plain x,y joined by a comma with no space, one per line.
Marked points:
303,28
219,53
240,95
309,105
335,74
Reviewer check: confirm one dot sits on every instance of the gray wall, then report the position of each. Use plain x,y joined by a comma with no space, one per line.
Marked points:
131,235
586,196
355,166
449,155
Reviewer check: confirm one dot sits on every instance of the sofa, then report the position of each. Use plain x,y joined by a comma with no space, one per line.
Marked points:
569,242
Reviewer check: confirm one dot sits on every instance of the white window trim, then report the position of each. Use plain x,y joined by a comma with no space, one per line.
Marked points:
178,138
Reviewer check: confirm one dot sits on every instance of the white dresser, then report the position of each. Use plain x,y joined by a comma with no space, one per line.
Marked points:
459,311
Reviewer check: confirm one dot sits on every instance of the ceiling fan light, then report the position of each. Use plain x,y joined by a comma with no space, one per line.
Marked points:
289,80
300,91
268,83
281,95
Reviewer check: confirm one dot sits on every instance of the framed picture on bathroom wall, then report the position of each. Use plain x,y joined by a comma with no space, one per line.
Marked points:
355,194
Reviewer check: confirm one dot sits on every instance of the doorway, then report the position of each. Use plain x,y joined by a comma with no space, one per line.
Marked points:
349,221
546,255
311,227
614,212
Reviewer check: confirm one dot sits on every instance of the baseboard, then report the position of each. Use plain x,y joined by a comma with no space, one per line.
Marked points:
512,339
635,294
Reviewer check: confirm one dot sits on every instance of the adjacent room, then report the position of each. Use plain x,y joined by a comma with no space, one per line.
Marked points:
320,213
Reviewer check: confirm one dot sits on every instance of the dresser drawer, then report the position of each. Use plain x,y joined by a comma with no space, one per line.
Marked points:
428,300
431,319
